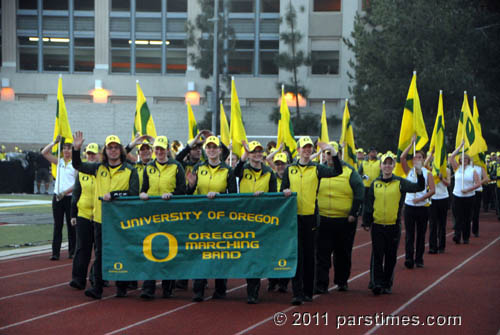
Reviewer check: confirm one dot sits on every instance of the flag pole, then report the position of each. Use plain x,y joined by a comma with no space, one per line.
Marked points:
415,120
57,173
463,147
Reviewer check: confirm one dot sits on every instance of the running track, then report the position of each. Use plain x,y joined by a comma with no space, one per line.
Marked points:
464,282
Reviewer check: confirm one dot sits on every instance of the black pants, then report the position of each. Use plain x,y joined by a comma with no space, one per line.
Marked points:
489,198
97,266
83,253
415,224
335,235
437,225
199,286
475,212
385,243
150,286
253,287
303,282
59,210
463,211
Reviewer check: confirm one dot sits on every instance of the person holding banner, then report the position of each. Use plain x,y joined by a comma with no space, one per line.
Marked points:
162,177
339,203
114,177
82,207
257,178
466,181
416,213
304,177
382,215
211,177
61,201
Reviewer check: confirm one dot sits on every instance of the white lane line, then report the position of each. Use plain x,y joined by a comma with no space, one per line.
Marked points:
428,288
314,297
33,291
167,312
33,271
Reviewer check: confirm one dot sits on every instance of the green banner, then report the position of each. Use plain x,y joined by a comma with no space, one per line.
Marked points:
189,237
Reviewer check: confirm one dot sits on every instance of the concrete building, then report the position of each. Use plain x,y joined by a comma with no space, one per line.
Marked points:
110,44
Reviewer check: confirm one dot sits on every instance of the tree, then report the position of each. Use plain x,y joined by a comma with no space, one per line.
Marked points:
452,44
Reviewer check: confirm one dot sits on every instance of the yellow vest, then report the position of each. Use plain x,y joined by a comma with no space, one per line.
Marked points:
108,180
162,178
371,168
498,174
211,179
85,203
335,195
386,204
253,181
304,180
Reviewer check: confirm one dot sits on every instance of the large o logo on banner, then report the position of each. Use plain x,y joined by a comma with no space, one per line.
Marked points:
147,247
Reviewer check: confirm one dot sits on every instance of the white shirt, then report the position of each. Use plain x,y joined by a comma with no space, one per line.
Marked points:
65,177
412,176
479,171
441,191
468,177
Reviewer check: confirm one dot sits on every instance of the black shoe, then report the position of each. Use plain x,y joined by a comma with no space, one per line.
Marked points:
121,292
377,290
198,297
166,294
466,241
456,239
297,301
320,290
252,300
282,289
308,298
419,265
218,295
409,264
146,295
93,293
54,258
387,290
342,288
272,287
432,251
76,285
370,286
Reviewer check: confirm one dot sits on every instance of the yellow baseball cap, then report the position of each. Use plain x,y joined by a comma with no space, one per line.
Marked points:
388,154
145,142
162,142
305,140
254,145
280,157
335,145
211,139
93,148
112,139
360,150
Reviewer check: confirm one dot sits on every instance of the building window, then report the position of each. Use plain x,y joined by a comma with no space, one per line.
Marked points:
268,53
176,56
327,5
241,6
147,56
120,56
270,6
241,61
120,5
57,37
177,6
325,62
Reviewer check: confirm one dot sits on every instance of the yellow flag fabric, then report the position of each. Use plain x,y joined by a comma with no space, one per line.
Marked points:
143,120
347,138
61,125
224,127
438,143
324,127
411,124
192,125
236,130
467,130
285,128
480,158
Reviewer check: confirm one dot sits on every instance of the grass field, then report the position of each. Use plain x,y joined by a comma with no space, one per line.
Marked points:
28,234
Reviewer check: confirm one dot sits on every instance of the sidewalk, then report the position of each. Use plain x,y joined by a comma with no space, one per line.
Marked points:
29,251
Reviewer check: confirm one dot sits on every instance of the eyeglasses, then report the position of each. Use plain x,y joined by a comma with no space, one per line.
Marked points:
257,152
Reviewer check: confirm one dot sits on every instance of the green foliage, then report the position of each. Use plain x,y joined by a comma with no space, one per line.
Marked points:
453,46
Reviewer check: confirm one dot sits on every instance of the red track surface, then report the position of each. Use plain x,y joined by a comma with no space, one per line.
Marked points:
464,282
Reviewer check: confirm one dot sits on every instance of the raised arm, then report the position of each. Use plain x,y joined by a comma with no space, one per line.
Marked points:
47,151
404,154
452,160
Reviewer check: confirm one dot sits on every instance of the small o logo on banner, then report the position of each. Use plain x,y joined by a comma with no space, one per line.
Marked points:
282,263
118,266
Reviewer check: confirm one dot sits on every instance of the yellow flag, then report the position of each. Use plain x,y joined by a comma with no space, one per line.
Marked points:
224,128
61,125
347,138
467,130
192,126
438,143
236,130
285,127
411,124
143,120
480,158
324,127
